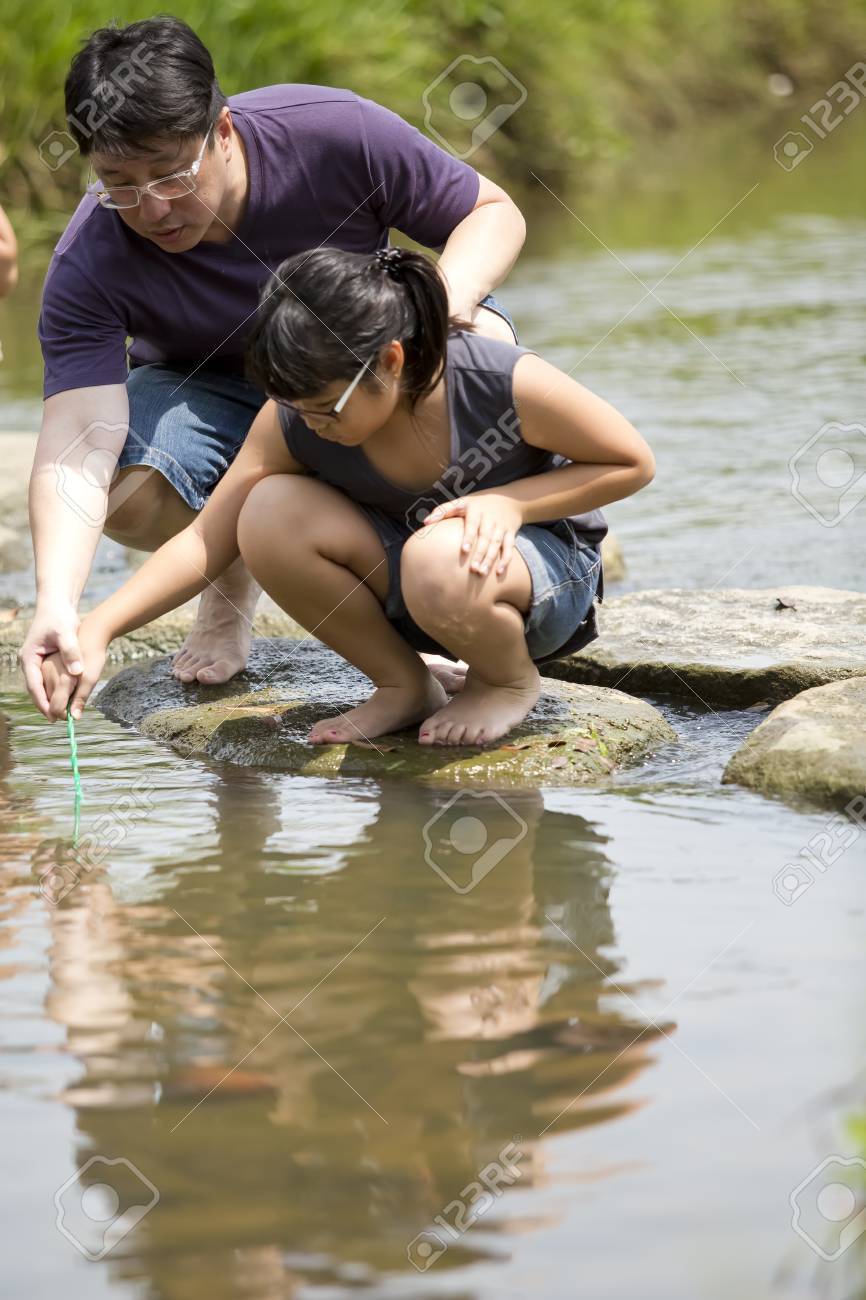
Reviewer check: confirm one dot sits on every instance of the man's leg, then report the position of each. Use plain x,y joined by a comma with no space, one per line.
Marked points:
183,435
219,643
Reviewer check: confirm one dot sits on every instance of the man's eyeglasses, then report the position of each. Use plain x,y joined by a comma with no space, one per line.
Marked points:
164,187
329,417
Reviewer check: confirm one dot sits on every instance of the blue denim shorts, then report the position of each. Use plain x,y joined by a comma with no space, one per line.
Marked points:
191,429
565,569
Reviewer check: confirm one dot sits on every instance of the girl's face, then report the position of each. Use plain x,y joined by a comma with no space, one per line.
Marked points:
367,409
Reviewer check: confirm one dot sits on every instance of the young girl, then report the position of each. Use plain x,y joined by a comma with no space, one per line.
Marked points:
411,486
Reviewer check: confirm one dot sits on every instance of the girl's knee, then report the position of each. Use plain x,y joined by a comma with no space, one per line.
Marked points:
434,576
268,509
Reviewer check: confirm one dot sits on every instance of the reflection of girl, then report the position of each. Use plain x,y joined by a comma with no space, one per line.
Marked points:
374,401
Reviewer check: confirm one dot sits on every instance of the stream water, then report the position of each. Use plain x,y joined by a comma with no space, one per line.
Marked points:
263,1050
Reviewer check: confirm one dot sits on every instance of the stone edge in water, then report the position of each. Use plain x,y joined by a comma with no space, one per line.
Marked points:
796,755
709,684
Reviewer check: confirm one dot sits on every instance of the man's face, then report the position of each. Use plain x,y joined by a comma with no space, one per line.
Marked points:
177,224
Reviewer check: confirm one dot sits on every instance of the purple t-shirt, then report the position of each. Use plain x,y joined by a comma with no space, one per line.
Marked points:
325,167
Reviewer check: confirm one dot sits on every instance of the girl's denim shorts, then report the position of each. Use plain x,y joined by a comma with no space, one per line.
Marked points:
190,427
564,567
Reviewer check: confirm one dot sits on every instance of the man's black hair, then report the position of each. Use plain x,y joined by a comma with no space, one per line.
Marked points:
130,88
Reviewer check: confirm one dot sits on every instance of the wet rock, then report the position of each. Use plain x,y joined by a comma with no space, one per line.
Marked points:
724,647
813,746
612,559
576,735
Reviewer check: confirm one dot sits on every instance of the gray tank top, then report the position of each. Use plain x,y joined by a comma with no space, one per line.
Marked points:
487,449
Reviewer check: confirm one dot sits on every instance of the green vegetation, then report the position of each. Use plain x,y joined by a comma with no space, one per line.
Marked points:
602,77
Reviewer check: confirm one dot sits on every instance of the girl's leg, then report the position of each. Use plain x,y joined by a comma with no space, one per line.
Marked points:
480,619
319,558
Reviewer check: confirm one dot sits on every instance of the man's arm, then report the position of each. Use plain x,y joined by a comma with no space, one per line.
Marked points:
83,432
482,248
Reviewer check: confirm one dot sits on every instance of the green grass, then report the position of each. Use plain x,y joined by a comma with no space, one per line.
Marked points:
601,76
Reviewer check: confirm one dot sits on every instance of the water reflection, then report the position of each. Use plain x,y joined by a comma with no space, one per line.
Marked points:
311,1050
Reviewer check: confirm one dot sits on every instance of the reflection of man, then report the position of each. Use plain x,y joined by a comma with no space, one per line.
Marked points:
197,200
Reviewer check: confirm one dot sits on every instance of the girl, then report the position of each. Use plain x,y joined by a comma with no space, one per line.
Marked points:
411,486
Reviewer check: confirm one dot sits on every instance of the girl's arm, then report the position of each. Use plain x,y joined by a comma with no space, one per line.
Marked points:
179,570
559,415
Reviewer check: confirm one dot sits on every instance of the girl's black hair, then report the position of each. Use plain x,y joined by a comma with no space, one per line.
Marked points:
133,86
325,313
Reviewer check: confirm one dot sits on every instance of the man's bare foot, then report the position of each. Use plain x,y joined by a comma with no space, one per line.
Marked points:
389,708
219,644
449,673
482,713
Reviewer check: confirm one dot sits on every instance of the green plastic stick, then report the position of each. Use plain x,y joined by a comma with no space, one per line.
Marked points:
76,774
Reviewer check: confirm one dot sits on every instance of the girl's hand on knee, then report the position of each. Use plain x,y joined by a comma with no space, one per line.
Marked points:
490,524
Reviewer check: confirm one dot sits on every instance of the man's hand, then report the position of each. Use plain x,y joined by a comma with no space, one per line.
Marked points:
53,632
62,688
490,524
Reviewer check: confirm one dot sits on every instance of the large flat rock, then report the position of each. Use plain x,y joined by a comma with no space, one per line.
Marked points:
812,747
576,735
724,647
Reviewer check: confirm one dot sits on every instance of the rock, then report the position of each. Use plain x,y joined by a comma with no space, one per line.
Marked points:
576,735
612,558
813,746
724,647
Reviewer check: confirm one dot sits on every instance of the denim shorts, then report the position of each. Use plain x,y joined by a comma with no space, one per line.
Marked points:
564,567
191,429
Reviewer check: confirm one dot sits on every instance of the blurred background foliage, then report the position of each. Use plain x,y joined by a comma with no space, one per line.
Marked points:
603,78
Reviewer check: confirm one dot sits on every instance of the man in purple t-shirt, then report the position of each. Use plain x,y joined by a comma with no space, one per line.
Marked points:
196,199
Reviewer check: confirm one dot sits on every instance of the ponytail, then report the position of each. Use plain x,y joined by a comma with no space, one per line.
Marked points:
325,312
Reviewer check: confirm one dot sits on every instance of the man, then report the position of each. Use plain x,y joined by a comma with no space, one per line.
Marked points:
196,200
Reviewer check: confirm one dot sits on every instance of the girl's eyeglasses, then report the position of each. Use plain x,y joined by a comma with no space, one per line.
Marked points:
329,417
164,187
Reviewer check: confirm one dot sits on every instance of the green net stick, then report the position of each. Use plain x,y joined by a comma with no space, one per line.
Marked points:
76,774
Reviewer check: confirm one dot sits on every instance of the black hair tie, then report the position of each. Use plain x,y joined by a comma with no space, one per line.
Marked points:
389,260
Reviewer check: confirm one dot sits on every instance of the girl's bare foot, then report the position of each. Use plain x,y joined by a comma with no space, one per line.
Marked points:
482,713
389,708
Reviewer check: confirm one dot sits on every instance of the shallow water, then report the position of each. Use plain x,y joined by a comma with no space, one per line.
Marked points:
264,998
